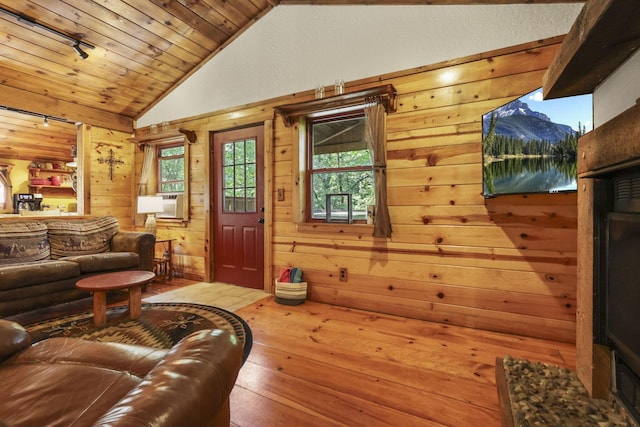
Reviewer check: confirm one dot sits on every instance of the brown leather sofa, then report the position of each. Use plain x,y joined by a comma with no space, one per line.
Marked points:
74,382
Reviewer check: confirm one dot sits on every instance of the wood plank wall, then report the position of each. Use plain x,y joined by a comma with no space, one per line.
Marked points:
505,264
106,196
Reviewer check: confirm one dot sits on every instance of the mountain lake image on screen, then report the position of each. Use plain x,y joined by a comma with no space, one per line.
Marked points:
530,144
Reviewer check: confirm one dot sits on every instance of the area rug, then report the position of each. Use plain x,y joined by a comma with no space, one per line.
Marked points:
161,325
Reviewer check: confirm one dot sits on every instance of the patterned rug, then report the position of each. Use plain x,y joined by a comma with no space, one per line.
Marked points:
161,325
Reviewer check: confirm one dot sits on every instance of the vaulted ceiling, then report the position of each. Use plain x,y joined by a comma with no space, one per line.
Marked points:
138,51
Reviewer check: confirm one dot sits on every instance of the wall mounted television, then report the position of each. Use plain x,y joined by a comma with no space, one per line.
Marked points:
529,145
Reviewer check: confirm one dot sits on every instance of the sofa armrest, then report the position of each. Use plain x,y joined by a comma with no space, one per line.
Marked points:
188,388
13,338
139,242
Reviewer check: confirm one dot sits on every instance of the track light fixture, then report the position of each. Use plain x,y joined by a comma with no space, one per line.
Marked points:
81,53
33,23
45,117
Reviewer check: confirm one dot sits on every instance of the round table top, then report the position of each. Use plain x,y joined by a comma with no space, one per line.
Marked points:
115,280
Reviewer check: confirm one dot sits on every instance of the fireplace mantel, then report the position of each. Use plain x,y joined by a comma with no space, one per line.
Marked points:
611,147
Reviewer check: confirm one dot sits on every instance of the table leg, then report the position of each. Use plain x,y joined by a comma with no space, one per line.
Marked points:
135,301
99,308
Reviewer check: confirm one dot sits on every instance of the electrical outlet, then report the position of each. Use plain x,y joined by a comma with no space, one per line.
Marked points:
343,274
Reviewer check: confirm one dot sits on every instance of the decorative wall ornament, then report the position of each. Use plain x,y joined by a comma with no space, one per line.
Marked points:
111,161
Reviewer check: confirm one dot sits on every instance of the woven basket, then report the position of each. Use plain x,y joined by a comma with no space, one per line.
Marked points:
291,293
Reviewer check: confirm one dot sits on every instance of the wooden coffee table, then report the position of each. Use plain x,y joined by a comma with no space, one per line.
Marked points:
101,283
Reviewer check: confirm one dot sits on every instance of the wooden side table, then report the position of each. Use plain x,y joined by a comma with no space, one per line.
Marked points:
163,266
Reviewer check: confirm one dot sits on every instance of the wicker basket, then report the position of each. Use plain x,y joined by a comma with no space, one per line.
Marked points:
291,293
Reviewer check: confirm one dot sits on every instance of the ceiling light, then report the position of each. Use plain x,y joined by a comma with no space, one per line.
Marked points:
45,121
33,23
81,53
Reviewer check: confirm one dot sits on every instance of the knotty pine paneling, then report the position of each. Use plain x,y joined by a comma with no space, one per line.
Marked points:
111,196
505,264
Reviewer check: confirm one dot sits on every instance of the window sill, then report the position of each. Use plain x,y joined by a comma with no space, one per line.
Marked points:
172,222
326,227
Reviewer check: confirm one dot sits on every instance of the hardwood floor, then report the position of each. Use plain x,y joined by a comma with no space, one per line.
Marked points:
321,365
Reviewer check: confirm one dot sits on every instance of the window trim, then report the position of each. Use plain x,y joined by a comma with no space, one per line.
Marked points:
174,141
158,159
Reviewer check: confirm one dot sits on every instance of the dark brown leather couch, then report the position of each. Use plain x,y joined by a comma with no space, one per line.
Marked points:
74,382
42,259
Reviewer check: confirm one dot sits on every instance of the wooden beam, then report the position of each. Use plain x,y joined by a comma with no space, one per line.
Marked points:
604,35
386,94
424,2
42,104
611,146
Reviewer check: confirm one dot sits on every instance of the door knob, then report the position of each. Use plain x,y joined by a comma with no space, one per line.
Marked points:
261,221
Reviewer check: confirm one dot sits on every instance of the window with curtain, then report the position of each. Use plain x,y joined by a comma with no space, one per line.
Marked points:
165,171
342,157
340,183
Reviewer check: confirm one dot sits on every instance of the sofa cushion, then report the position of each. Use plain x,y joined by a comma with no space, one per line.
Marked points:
81,237
106,261
23,241
33,273
73,394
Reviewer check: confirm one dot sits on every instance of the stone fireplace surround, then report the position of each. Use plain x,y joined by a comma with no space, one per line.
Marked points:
608,150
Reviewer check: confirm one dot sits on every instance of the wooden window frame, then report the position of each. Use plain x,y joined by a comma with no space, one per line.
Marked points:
159,148
309,169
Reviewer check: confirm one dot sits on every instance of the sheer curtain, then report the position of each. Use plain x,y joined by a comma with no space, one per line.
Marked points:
147,167
5,182
375,136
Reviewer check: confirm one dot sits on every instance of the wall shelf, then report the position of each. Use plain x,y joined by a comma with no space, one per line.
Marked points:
56,188
35,173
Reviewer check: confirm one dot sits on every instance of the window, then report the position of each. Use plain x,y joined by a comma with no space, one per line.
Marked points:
171,174
339,168
239,176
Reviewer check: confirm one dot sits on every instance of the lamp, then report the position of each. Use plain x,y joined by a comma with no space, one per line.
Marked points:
150,205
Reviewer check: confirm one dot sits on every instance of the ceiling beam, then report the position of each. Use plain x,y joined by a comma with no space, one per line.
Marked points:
603,36
423,2
24,100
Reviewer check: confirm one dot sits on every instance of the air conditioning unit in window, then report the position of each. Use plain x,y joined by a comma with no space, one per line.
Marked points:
173,205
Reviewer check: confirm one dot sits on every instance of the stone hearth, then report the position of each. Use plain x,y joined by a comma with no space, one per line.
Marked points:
538,394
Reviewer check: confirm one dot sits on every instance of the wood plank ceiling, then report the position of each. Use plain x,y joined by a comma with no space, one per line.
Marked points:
142,50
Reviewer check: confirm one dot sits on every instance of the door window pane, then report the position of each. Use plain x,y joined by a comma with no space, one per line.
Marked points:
239,176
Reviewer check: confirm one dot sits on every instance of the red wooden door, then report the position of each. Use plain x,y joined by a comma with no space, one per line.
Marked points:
239,207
